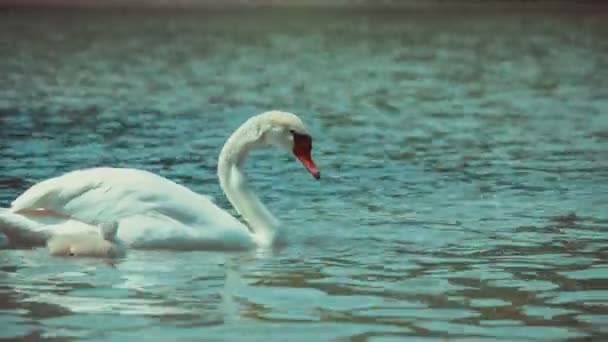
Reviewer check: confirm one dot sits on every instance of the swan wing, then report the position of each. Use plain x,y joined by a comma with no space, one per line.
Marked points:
101,195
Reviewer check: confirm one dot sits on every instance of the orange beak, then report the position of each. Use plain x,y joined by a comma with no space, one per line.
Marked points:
302,147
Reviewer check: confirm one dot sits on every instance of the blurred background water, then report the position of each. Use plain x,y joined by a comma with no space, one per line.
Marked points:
464,161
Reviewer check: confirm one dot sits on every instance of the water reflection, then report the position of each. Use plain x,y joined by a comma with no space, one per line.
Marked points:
493,292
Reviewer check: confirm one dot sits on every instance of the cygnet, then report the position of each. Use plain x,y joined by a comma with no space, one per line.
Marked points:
102,244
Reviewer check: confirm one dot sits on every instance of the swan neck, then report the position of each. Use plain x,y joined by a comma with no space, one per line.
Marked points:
234,184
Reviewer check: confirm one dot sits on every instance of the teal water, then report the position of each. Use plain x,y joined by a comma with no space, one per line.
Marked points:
464,162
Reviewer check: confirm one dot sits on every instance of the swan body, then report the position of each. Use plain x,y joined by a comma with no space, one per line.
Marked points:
154,212
102,244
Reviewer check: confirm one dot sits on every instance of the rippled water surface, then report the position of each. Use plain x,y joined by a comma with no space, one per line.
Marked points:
464,158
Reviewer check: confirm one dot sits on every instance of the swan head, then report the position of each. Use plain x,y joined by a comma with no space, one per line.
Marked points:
86,244
288,132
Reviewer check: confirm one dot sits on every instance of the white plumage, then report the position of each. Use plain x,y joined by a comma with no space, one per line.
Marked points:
154,212
103,244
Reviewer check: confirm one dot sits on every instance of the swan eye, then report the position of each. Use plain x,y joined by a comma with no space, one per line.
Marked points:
293,135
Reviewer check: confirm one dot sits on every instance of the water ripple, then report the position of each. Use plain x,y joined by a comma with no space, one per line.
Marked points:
464,161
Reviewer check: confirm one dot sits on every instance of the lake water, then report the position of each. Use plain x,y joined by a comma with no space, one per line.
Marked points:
464,158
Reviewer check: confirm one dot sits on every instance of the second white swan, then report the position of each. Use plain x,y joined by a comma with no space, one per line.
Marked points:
154,212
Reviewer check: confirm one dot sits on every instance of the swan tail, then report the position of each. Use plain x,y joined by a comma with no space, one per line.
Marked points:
22,230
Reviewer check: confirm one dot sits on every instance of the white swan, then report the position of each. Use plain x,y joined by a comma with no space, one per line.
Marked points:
154,212
102,244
